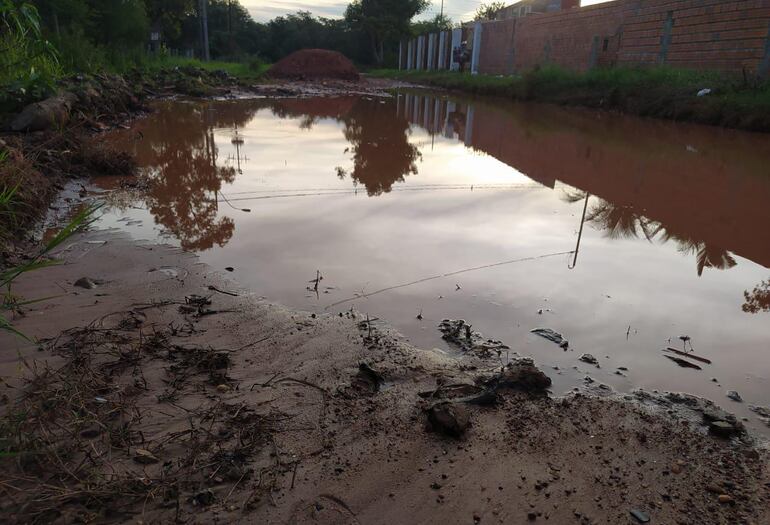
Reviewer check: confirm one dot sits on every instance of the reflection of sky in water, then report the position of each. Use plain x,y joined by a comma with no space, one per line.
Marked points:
465,208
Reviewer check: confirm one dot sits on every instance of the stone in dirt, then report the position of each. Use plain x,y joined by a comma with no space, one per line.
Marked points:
85,282
640,516
449,418
522,374
53,111
588,358
723,428
735,396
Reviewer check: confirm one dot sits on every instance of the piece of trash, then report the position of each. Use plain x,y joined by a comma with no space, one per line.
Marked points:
144,457
229,268
735,396
551,335
684,363
100,400
703,92
689,355
640,516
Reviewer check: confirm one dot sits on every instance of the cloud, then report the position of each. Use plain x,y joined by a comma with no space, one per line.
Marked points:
264,10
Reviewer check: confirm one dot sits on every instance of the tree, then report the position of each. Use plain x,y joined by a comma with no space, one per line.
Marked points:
383,21
434,25
488,11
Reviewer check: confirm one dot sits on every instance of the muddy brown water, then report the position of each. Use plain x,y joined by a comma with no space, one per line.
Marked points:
620,233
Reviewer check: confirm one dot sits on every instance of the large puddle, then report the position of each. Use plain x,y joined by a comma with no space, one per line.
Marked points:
619,233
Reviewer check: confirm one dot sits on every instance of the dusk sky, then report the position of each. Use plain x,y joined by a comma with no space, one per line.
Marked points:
263,10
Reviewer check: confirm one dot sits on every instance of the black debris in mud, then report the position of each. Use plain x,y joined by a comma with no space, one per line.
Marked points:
551,335
461,334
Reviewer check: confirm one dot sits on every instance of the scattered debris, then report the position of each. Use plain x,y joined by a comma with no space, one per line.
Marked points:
690,355
461,334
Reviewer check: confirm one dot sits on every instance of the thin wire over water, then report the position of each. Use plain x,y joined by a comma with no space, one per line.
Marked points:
448,274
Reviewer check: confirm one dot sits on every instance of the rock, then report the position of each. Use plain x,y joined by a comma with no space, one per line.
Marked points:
723,428
85,282
223,388
53,111
144,457
449,418
640,516
204,498
522,374
735,396
588,358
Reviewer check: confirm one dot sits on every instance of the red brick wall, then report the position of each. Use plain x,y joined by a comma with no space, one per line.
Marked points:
726,35
706,34
497,47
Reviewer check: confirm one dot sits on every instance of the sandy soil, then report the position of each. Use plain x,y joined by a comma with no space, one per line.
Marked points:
170,409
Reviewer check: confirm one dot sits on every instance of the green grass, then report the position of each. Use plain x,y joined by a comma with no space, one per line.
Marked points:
247,71
661,92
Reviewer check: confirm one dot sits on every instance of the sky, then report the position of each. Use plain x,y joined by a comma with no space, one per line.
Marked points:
264,10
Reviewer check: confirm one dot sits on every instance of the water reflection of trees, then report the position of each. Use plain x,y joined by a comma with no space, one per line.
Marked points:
179,151
379,141
624,222
381,152
757,300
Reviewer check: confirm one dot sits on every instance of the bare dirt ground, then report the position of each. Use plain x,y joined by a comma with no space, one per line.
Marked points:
158,395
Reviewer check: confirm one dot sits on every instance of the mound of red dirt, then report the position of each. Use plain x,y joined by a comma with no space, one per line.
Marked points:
314,64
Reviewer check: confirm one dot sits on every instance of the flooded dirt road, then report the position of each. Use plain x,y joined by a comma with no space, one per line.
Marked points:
618,233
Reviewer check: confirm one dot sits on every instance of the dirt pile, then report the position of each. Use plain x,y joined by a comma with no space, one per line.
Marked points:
314,64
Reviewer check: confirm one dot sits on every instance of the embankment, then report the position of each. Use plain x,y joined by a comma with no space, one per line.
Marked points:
659,92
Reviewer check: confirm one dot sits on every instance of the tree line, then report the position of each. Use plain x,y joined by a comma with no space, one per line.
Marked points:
94,34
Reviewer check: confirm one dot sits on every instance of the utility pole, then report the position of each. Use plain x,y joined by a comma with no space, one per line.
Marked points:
204,30
442,10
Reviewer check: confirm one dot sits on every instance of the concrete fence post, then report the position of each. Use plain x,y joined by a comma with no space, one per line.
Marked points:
410,55
764,65
476,54
431,51
665,40
441,50
457,37
420,59
400,55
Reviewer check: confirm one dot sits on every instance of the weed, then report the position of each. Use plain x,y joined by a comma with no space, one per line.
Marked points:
12,304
